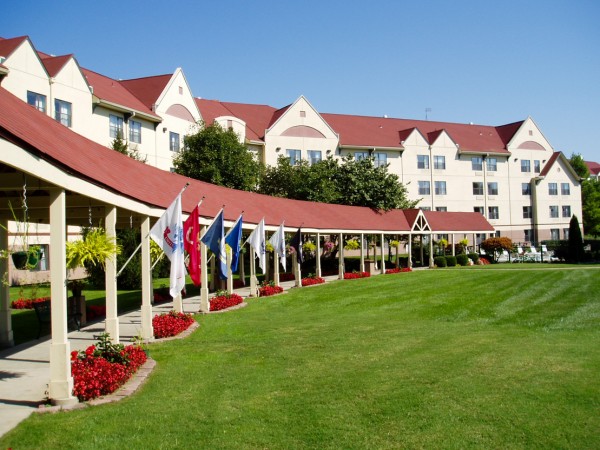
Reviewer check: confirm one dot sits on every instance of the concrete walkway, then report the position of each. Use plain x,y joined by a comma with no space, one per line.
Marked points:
25,369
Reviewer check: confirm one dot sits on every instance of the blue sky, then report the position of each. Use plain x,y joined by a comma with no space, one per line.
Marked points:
468,61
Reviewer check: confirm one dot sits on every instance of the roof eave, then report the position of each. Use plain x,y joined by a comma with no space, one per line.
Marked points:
371,147
484,152
120,108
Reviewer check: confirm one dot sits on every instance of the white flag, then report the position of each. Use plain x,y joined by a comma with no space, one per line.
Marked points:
278,243
167,232
257,241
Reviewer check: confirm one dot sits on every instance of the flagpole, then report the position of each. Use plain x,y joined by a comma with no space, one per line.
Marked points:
204,303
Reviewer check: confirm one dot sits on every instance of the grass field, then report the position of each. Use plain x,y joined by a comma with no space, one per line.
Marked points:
452,358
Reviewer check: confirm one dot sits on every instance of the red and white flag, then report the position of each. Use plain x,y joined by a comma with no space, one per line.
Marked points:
191,243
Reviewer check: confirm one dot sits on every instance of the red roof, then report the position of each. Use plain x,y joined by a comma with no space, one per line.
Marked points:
54,64
593,167
147,89
364,131
40,134
457,221
114,92
549,164
7,46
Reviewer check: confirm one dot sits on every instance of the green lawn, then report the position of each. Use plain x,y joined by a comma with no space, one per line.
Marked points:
450,358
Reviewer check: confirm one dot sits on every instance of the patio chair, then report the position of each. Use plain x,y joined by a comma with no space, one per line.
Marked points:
518,255
534,255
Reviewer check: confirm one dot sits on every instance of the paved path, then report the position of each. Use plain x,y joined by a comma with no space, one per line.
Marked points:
25,369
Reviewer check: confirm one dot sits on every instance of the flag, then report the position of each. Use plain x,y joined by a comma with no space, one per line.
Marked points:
214,240
191,244
278,243
296,244
233,238
257,241
167,232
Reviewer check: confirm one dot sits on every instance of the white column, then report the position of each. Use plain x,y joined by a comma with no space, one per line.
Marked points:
146,311
204,303
453,245
6,333
275,268
362,252
111,325
229,272
297,270
213,275
341,257
374,253
60,387
409,264
431,251
253,280
318,256
382,254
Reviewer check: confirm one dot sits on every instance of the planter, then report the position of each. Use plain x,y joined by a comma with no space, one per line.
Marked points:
24,260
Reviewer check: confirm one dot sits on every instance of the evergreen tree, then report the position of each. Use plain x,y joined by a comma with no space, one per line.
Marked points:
575,253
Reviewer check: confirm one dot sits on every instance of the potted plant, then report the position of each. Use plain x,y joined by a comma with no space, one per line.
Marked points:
23,255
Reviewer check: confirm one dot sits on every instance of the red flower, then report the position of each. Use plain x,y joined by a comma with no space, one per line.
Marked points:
309,281
268,290
171,324
398,270
354,275
220,302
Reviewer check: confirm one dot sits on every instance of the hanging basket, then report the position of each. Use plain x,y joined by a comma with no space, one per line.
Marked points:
25,259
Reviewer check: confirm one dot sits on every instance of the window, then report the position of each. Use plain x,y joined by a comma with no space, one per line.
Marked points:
555,234
492,164
566,234
528,235
526,188
294,156
477,188
552,189
424,188
527,212
380,159
43,260
62,112
565,189
359,155
492,188
478,209
314,156
536,166
440,188
525,165
441,208
115,126
422,161
425,208
38,101
135,132
477,163
439,162
493,212
553,211
566,211
174,141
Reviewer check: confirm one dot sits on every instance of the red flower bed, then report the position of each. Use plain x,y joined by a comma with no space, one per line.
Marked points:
310,281
398,270
93,312
266,291
483,261
104,367
286,276
225,301
170,324
27,303
354,275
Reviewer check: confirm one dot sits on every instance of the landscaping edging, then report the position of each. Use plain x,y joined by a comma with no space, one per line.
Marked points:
231,308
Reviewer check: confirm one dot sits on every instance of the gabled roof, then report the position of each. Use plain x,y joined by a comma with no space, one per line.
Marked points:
112,91
42,136
552,160
442,221
7,46
54,64
593,167
148,89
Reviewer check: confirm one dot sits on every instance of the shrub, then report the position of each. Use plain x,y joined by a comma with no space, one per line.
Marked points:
451,261
170,324
462,259
268,288
440,261
224,301
474,257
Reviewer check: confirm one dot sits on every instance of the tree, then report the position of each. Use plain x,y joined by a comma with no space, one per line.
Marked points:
575,253
346,181
579,165
496,244
121,146
216,155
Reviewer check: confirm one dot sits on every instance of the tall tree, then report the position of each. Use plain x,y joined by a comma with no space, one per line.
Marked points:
579,165
575,253
216,155
590,196
120,145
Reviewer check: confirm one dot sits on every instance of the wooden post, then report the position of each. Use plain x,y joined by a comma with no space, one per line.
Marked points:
111,324
382,254
341,256
318,256
253,280
147,330
204,302
229,272
6,332
362,252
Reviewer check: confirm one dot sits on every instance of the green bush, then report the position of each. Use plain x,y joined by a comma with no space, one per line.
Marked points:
451,261
474,257
462,259
403,261
440,261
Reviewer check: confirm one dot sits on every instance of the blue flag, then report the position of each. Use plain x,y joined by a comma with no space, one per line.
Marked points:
213,238
233,240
